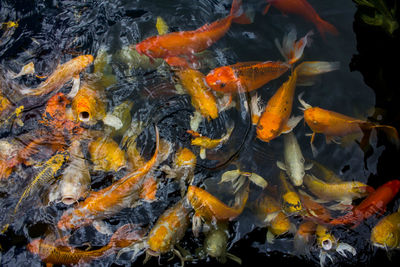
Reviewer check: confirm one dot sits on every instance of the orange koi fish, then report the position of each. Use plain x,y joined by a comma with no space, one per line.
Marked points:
304,9
209,207
50,253
275,119
190,42
202,98
245,76
110,200
374,203
334,124
62,75
168,230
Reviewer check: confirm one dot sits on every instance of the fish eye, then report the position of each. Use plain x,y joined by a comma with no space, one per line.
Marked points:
302,160
315,122
222,85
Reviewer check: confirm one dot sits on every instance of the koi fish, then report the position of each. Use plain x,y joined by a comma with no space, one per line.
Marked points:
294,160
245,76
324,173
51,253
304,9
205,142
275,119
109,200
386,233
106,154
291,200
211,208
216,241
75,180
45,176
344,192
374,203
202,98
269,212
190,42
4,103
327,242
333,124
168,231
63,74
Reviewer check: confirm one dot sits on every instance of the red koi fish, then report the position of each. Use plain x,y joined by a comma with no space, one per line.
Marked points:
304,9
375,202
189,42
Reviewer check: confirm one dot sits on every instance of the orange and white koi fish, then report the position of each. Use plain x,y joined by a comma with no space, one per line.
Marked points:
374,203
169,229
333,124
275,119
51,253
189,42
63,74
304,9
110,200
202,98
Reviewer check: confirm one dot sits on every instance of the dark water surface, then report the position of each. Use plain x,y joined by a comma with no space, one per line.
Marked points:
52,32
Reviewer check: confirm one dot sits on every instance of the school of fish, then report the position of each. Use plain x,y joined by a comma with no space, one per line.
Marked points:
80,135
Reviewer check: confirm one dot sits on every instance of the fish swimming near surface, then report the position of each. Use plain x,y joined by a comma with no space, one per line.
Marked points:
63,74
275,119
375,203
189,42
110,200
304,9
291,200
335,125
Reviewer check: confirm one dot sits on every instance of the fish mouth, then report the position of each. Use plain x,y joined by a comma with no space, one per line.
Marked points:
68,199
84,116
327,244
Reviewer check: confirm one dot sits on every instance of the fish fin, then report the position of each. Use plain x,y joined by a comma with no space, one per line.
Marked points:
292,228
270,237
281,165
149,189
234,258
308,70
308,166
271,216
291,50
333,139
266,9
322,257
342,248
161,26
25,70
293,121
203,153
113,121
195,120
102,227
229,176
75,86
49,264
391,133
258,180
324,26
342,206
238,15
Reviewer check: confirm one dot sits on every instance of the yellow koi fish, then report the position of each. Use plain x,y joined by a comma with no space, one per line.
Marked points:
386,233
62,75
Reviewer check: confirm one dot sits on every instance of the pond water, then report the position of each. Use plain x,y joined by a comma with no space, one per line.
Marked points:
50,33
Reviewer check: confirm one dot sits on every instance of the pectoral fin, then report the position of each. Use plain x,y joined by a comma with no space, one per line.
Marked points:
75,86
293,121
308,166
113,121
101,227
281,165
270,237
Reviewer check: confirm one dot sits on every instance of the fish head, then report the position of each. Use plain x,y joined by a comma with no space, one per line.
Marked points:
223,79
315,118
269,126
383,236
394,185
362,189
151,48
291,203
296,176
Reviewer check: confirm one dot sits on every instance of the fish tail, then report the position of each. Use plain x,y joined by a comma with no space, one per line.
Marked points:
391,133
238,15
127,233
301,245
307,71
324,27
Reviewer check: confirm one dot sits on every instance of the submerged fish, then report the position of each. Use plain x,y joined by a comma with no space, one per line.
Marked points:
45,176
290,198
304,9
386,233
189,42
63,73
110,200
333,124
51,253
106,154
294,160
344,192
